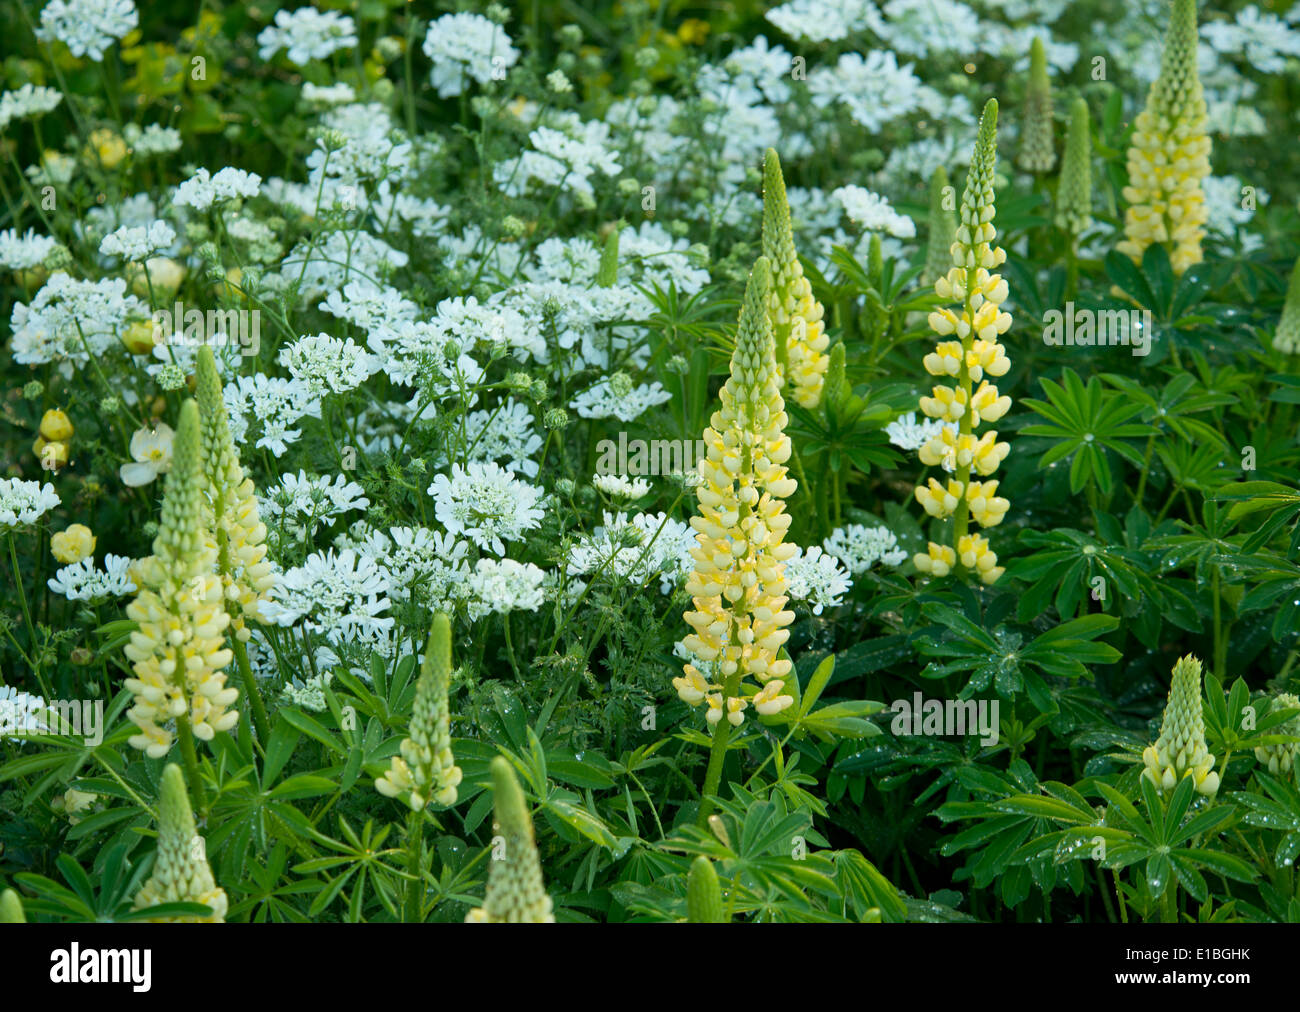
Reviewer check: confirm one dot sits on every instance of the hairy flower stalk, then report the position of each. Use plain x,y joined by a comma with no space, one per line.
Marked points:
180,873
975,355
426,770
515,890
1281,758
1074,193
1180,751
943,228
738,584
232,514
1170,154
799,333
1037,148
1287,338
178,651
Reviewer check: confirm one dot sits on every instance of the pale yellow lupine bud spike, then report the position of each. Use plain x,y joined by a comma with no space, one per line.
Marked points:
426,767
233,510
977,323
798,328
1181,751
11,908
1037,147
738,586
515,889
1169,154
181,873
178,649
1281,758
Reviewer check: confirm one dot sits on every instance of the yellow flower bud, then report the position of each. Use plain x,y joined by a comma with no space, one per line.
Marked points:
73,544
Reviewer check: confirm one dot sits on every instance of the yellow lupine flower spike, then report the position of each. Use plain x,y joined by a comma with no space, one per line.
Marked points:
1170,154
738,584
178,651
515,890
1282,758
971,359
181,873
232,512
1180,751
798,330
426,768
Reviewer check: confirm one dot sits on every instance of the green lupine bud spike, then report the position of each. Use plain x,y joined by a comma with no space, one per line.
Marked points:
180,529
1281,758
703,893
215,426
837,385
608,273
943,227
754,358
1287,338
11,908
426,767
181,873
1037,148
1074,193
1180,750
875,262
515,890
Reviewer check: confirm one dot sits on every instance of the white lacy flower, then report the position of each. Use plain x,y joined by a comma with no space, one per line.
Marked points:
503,586
486,504
203,189
137,244
22,714
23,252
503,433
467,45
70,320
328,364
873,212
29,100
602,401
338,595
307,34
303,503
87,27
154,139
816,577
862,547
821,20
422,565
636,550
24,502
83,582
620,486
273,401
907,433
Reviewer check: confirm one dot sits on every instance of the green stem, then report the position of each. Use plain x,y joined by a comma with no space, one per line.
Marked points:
190,759
257,708
414,853
717,753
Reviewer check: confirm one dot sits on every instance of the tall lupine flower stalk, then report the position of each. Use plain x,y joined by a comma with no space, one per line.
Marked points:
1180,751
232,514
738,584
515,890
1281,758
1073,212
1170,154
942,228
1037,147
977,325
1287,338
798,330
426,770
181,873
178,651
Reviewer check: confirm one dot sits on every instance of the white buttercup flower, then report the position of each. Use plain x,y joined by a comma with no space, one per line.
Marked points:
151,450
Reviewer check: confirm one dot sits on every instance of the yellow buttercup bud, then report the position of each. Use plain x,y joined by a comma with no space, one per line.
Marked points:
73,544
56,426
